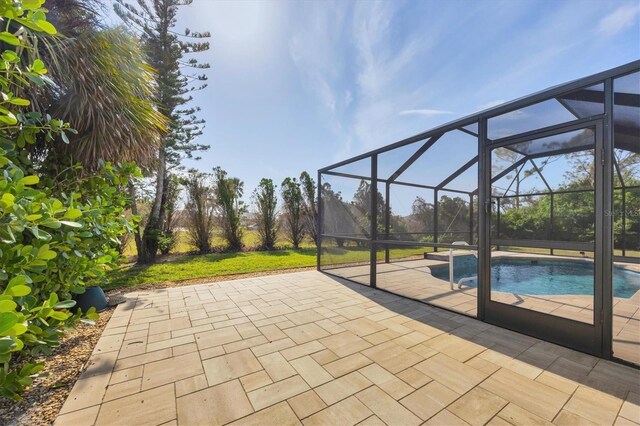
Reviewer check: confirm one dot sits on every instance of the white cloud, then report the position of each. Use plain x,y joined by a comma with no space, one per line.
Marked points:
425,112
384,72
618,20
358,63
313,51
245,33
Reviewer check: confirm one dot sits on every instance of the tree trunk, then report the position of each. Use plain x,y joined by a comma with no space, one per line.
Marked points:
154,224
134,210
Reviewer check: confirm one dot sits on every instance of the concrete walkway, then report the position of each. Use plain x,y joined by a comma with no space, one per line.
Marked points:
306,348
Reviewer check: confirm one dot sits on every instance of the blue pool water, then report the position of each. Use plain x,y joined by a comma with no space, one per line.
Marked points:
525,276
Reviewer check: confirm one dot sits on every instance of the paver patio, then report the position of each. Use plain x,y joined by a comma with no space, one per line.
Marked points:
413,278
308,348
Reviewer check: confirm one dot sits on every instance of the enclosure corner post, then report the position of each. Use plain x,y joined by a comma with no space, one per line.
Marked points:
435,219
604,217
484,192
373,190
387,219
319,222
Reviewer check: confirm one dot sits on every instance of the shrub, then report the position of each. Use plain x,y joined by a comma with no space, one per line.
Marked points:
56,235
199,210
230,209
266,215
293,211
167,241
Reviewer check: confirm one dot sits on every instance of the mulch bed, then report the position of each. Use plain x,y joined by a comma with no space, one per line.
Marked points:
42,401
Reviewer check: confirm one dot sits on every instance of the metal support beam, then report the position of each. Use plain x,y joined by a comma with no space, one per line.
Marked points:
470,219
513,180
603,294
347,175
498,208
435,218
535,166
509,169
607,221
387,218
458,172
545,244
568,107
624,221
597,96
551,218
469,132
373,214
428,144
484,217
415,185
319,223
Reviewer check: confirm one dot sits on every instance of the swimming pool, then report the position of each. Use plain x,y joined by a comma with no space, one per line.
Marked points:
526,276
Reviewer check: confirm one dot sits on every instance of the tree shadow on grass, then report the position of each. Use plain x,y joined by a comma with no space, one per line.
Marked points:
127,278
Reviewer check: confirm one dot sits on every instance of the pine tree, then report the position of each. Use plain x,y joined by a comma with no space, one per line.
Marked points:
169,53
293,204
266,215
310,205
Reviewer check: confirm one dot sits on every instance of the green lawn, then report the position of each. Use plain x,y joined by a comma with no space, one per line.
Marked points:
186,267
211,265
250,239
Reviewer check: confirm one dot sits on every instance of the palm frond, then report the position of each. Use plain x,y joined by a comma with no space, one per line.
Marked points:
106,90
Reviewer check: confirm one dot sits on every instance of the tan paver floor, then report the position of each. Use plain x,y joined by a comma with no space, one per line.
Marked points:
413,278
307,348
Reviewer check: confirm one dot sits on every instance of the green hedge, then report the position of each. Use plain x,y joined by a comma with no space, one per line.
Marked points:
57,235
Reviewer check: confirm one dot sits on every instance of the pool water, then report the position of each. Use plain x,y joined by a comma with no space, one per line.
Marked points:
525,276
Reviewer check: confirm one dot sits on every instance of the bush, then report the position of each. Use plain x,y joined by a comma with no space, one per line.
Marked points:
266,216
199,210
167,241
57,236
230,209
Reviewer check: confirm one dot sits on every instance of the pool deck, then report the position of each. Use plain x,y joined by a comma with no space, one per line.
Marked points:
305,348
413,278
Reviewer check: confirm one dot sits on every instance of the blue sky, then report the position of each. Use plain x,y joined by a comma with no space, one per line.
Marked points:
299,85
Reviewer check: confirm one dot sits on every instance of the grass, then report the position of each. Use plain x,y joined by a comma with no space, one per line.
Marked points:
250,239
187,267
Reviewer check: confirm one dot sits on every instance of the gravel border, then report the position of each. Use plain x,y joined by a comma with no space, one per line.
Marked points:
43,399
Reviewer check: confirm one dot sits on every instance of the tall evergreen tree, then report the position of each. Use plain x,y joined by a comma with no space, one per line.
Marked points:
310,205
293,204
229,207
266,215
169,52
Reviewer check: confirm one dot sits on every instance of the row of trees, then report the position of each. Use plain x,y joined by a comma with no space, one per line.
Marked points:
214,201
352,217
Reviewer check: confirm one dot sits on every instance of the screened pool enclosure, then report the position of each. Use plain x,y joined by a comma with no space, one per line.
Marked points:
526,215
